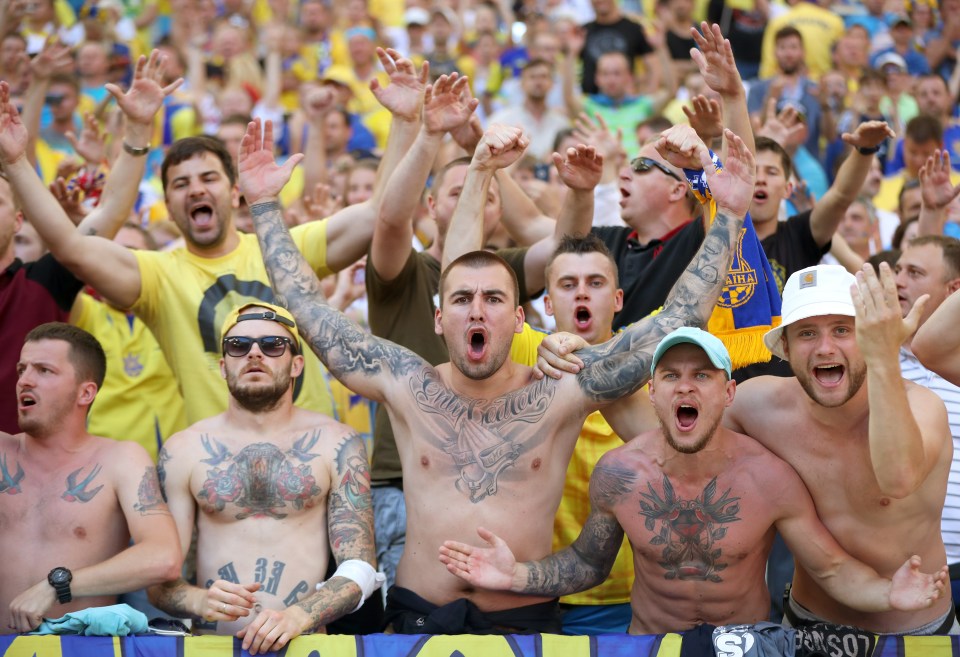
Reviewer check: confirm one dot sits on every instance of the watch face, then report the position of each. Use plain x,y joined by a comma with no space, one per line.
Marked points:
60,576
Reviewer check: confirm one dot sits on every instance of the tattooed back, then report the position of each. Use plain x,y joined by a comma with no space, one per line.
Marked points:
260,497
67,511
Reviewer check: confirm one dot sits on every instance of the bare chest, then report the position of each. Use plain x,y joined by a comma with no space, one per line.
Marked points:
259,480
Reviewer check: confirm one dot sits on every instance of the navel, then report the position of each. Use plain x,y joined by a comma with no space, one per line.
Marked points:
80,532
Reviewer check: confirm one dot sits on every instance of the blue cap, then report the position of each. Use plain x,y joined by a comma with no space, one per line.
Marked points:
711,345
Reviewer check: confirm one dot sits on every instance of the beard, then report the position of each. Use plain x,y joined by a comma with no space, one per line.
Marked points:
855,378
480,371
667,432
259,398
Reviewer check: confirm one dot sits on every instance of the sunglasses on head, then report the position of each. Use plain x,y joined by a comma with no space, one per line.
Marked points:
644,164
272,346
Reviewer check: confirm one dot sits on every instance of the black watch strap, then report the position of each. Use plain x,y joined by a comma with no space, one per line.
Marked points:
868,151
59,578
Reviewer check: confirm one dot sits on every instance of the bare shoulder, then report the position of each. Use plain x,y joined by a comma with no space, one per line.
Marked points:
121,453
758,462
10,441
922,398
758,398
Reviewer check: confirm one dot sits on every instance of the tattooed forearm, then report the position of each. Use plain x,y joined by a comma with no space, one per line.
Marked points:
581,566
621,366
173,598
350,507
338,597
344,347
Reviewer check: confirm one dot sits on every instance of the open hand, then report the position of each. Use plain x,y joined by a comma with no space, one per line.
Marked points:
705,117
869,134
714,57
91,145
13,134
881,327
490,567
580,167
447,104
936,189
259,175
732,188
911,589
145,95
404,95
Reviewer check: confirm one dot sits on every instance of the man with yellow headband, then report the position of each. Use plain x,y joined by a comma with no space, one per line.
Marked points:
277,487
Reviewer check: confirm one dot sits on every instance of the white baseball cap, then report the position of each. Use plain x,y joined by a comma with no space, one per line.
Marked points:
812,292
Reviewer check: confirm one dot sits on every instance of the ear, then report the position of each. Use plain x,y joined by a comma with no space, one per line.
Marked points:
953,285
730,392
223,369
17,221
618,301
518,328
296,367
87,393
431,207
547,305
678,192
650,390
235,196
437,328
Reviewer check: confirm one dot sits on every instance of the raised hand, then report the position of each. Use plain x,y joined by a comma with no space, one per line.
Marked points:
91,145
490,567
869,134
732,187
317,102
259,175
579,168
447,104
705,117
785,128
911,589
404,96
468,135
13,134
714,57
145,95
501,146
70,199
54,58
936,190
881,327
598,134
682,147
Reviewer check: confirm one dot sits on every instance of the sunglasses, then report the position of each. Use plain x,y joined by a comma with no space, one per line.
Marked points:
644,164
272,346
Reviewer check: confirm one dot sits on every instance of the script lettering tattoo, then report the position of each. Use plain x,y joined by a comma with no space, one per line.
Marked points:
77,491
295,594
260,479
162,458
621,365
689,530
483,437
260,575
10,484
350,507
227,572
344,347
149,498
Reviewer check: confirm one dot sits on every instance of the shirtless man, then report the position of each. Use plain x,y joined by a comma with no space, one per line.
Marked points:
278,487
699,504
70,502
480,440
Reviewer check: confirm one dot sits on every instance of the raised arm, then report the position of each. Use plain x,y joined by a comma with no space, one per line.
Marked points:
350,531
365,364
937,342
621,366
500,147
154,556
845,579
907,426
447,105
317,103
936,193
89,252
350,230
580,169
579,567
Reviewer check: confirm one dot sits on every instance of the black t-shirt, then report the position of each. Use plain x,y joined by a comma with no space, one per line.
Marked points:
679,47
623,36
743,28
792,248
648,272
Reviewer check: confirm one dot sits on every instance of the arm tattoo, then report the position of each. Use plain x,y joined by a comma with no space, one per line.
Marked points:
171,597
10,484
343,346
149,499
162,459
336,598
350,507
620,366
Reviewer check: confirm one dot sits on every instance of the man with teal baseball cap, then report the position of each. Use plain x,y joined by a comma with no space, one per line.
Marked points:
698,503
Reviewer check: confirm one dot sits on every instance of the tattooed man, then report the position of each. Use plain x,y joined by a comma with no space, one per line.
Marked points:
699,504
269,486
480,440
70,502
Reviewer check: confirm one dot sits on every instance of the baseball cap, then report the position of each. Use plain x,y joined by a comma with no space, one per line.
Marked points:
416,16
711,345
899,19
272,313
812,292
891,59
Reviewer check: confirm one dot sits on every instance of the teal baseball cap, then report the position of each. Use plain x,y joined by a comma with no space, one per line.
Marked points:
711,345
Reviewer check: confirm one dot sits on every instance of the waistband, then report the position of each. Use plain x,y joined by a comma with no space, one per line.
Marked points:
799,616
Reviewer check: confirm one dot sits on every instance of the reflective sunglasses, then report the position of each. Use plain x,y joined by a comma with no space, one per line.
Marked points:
644,164
270,345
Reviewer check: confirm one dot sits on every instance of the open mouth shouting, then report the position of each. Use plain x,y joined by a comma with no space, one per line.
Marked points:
760,196
582,318
624,195
830,375
477,341
686,415
26,400
201,215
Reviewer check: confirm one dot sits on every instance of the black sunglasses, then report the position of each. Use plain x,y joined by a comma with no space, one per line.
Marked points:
272,346
644,164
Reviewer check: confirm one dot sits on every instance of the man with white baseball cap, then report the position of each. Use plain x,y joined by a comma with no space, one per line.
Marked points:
873,449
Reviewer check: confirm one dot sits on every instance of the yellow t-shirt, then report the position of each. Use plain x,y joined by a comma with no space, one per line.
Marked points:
596,439
185,298
820,29
888,196
139,400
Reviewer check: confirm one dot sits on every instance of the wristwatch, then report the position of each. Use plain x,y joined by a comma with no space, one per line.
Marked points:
59,578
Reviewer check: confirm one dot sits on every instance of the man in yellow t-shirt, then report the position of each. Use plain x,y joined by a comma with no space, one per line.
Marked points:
821,29
582,296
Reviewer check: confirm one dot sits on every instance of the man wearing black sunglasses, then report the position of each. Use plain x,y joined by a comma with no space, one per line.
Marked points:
278,487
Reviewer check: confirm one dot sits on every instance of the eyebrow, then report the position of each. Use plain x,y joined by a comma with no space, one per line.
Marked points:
487,292
199,175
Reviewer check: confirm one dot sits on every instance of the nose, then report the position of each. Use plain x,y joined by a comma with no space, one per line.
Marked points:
825,344
626,173
476,309
583,291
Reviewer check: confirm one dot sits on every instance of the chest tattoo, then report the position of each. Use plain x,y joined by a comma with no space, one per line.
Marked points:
77,490
483,438
689,530
260,479
10,484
